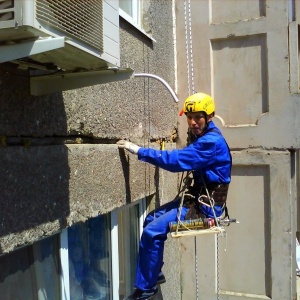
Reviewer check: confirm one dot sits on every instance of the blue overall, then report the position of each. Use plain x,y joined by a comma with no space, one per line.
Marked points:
209,155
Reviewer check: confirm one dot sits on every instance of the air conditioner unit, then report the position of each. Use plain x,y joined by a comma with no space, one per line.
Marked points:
31,31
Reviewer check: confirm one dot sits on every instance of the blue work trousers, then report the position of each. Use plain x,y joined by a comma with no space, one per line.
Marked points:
151,248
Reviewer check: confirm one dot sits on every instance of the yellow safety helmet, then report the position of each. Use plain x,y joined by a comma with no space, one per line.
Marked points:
199,102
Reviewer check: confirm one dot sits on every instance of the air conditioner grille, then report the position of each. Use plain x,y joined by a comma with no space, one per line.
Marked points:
82,20
6,4
7,16
6,10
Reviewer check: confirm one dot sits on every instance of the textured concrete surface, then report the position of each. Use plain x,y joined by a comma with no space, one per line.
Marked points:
254,79
298,287
132,109
46,188
48,182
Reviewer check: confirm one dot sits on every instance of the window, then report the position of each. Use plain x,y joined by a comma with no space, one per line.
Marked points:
136,13
31,272
91,260
129,230
131,11
102,254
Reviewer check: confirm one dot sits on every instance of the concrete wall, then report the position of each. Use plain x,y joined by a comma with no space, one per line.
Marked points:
58,160
246,55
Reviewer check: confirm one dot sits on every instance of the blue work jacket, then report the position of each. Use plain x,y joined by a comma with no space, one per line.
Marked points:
208,155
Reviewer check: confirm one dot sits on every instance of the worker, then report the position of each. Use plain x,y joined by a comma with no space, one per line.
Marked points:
209,159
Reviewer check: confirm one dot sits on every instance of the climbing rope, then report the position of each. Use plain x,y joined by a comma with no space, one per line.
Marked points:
189,47
218,267
196,269
193,226
191,87
190,69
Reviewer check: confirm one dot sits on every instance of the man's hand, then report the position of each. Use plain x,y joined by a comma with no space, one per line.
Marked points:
131,147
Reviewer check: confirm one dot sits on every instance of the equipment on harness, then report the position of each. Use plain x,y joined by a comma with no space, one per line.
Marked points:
198,224
195,222
216,192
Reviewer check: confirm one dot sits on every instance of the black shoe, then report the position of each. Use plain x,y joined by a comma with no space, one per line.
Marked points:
142,295
161,278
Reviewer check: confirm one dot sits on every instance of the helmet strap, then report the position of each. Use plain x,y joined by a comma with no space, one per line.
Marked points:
206,121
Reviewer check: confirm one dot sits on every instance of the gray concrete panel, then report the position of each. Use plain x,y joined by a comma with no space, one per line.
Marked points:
255,256
246,57
49,182
47,188
131,108
239,59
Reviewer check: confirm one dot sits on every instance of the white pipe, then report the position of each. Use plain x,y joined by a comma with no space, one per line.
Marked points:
161,80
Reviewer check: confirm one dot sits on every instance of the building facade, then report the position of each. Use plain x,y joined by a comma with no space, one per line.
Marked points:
72,204
245,54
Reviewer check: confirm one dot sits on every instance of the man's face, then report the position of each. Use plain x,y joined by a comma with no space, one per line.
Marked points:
196,122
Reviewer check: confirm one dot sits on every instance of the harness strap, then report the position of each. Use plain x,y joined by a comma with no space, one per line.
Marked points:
217,193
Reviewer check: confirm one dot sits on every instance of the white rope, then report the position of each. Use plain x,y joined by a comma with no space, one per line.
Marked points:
210,202
191,47
188,56
218,267
187,48
186,183
179,212
191,86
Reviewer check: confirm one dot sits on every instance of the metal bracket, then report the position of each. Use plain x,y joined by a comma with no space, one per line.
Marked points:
28,48
45,84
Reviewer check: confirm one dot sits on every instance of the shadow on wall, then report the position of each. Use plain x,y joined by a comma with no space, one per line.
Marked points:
34,179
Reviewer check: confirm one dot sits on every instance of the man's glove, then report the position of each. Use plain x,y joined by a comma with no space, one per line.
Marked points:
131,147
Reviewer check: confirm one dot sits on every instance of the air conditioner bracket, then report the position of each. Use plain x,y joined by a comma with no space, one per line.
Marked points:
28,48
45,84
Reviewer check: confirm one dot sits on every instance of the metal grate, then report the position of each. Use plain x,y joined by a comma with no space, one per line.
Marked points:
6,4
79,19
7,16
6,12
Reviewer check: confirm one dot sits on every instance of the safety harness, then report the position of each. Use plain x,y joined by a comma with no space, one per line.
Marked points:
193,196
191,87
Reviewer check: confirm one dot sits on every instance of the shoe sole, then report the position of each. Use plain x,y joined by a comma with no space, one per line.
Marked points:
152,296
161,281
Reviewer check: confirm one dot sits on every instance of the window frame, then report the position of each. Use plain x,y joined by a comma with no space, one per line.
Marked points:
136,19
64,264
61,251
64,250
142,206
